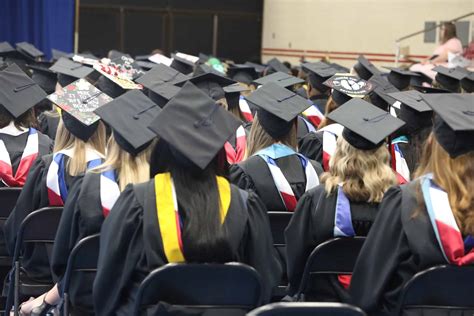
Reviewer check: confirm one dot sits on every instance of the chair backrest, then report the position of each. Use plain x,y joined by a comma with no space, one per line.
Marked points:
334,256
440,287
307,309
8,198
230,285
278,223
39,226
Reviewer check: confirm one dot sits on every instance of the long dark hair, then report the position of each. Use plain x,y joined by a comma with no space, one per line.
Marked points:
449,32
25,120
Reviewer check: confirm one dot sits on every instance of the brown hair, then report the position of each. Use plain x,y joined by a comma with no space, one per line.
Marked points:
26,120
331,105
449,32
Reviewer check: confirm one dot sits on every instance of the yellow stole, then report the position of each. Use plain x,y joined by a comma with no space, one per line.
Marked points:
168,217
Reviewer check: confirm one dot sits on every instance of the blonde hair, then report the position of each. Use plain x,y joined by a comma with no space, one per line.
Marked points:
365,174
456,177
65,140
260,139
130,169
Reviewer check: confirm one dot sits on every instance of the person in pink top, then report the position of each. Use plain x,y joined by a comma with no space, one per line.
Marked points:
449,43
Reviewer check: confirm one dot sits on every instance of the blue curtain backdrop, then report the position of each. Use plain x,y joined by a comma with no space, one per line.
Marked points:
45,23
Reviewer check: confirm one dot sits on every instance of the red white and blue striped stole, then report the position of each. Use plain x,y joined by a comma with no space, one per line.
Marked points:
287,195
399,164
330,135
455,250
109,191
313,115
27,158
245,109
56,178
237,154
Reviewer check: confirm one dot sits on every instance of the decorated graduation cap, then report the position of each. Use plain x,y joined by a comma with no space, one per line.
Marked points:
29,51
318,73
43,76
69,71
78,102
210,83
380,96
467,82
365,69
232,94
401,78
275,65
242,73
347,86
203,126
365,125
277,108
454,123
183,65
449,78
18,92
129,117
280,78
414,111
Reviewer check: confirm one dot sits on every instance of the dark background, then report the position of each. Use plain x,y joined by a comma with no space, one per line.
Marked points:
139,26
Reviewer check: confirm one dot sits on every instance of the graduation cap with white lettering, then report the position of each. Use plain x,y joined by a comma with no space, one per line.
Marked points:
365,125
454,123
347,86
449,78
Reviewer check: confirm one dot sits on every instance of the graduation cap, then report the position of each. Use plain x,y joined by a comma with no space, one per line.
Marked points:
347,86
449,78
161,94
161,74
277,108
401,78
145,65
109,87
29,50
365,125
129,117
160,59
380,95
365,69
19,92
420,80
467,82
414,111
340,68
78,102
69,71
210,83
232,94
282,79
242,73
275,65
454,123
430,90
182,65
43,76
318,73
11,55
58,54
258,68
194,126
206,69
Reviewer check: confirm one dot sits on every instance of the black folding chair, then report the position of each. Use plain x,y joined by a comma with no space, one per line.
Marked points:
278,223
201,286
39,227
82,261
332,257
307,309
440,290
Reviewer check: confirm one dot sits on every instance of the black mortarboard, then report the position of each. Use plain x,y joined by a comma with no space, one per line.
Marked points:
380,95
69,71
194,125
282,79
449,78
6,48
210,83
232,94
340,68
258,68
145,65
467,82
365,125
161,74
129,117
430,90
109,87
29,50
18,92
206,69
420,79
242,73
78,102
318,73
275,65
401,78
11,55
58,54
365,69
454,123
413,110
277,108
347,86
182,65
161,94
43,76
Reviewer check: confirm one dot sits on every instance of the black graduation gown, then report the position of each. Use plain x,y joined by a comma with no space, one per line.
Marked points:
48,124
131,232
82,216
302,128
311,146
398,246
320,101
408,153
253,174
34,196
313,223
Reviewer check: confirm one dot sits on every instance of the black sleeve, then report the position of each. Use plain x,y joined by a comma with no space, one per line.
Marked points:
317,166
32,197
259,250
121,244
385,248
238,177
311,146
67,234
